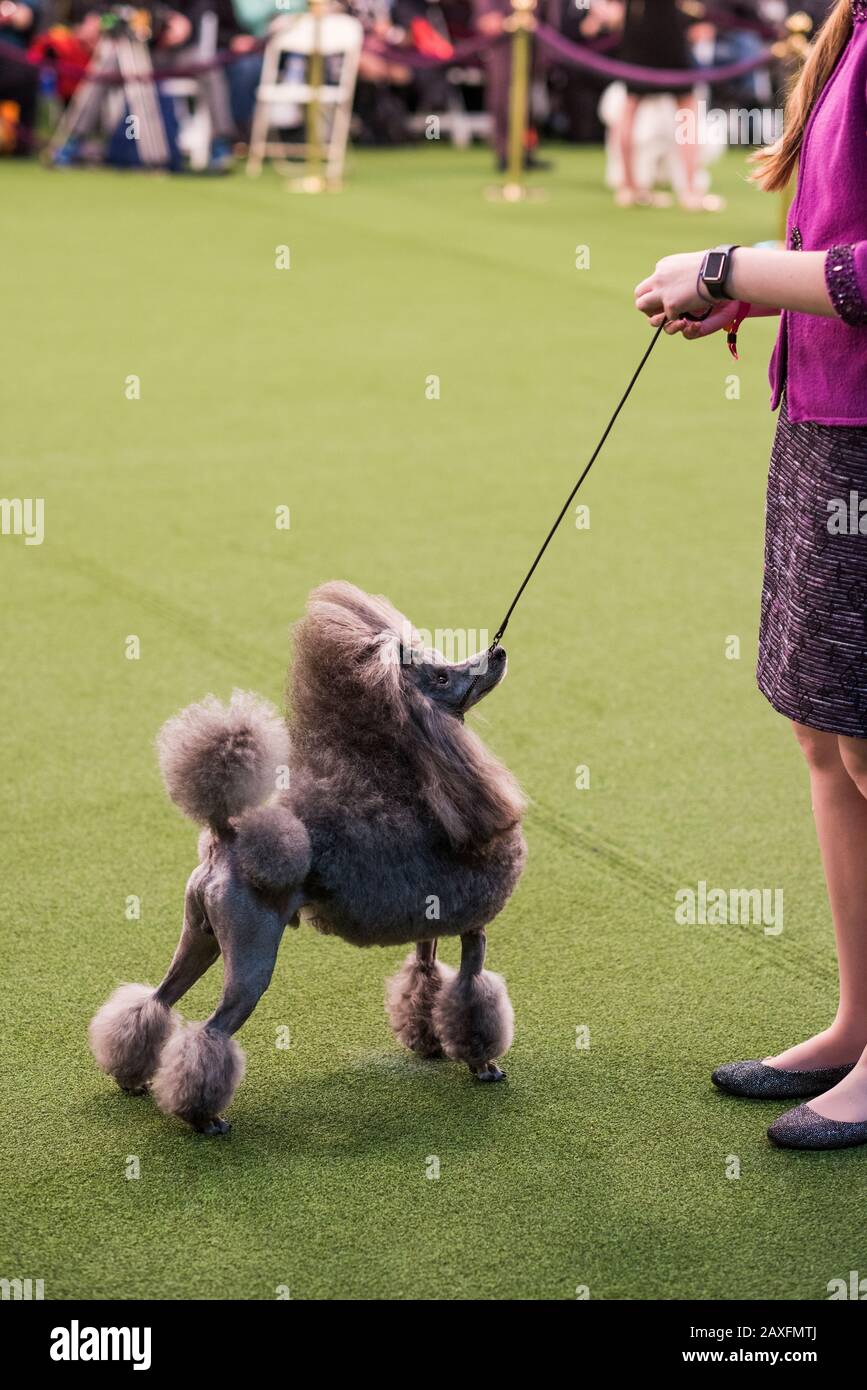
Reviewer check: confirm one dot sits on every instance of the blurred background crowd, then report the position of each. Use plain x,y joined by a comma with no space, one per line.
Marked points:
46,45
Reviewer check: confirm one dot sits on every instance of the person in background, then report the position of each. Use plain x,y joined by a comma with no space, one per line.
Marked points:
655,36
19,81
69,47
243,24
380,111
576,94
180,45
490,17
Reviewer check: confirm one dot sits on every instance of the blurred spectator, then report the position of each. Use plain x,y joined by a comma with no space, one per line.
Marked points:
242,23
70,48
490,18
654,36
576,93
182,50
380,112
19,82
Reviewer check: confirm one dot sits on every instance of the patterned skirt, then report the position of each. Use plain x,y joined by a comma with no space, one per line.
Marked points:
813,640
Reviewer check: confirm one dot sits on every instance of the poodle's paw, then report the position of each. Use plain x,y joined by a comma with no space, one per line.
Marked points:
199,1072
475,1022
410,997
214,1126
489,1072
128,1034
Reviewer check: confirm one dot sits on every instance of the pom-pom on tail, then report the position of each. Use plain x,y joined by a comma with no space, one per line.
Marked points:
218,760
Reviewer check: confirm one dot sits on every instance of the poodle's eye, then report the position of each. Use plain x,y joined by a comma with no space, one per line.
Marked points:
442,677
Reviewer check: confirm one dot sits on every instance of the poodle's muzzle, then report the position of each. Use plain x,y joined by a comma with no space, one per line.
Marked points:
475,678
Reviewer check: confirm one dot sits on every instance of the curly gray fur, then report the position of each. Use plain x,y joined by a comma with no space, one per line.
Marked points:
273,847
128,1033
198,1075
217,760
396,816
410,996
474,1019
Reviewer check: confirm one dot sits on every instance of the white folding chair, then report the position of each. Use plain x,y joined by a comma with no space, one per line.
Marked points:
456,121
193,110
339,36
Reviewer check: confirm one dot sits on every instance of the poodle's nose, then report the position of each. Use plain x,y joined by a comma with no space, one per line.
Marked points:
498,655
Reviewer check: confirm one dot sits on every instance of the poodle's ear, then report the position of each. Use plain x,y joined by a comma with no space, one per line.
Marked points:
364,613
467,790
348,652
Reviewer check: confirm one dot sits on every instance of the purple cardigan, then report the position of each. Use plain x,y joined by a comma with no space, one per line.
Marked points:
822,362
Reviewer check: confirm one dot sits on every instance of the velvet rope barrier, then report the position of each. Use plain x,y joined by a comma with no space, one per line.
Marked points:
66,68
659,79
576,55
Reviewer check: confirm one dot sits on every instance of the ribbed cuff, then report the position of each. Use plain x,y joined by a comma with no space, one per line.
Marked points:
844,286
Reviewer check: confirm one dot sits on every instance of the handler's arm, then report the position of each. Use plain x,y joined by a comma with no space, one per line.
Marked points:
826,283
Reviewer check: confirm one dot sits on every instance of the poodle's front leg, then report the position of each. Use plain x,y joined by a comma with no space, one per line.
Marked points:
473,1015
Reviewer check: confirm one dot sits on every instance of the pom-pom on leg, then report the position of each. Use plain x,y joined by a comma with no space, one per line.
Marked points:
199,1072
473,1015
410,996
127,1035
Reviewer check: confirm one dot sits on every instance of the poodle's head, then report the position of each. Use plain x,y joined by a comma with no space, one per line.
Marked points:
363,675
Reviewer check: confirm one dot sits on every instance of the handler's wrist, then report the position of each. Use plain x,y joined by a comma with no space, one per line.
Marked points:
701,291
716,273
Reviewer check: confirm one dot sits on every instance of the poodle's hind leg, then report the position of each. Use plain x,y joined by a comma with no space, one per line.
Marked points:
201,1065
196,951
473,1015
128,1033
410,996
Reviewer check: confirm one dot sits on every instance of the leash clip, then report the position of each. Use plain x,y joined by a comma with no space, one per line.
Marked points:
742,311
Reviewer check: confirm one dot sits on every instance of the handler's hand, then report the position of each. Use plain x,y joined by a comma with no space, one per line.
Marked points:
670,292
720,317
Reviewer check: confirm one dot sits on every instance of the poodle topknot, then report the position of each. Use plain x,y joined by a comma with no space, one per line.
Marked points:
375,814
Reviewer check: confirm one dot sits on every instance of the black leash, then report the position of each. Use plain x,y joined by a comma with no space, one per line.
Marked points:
498,635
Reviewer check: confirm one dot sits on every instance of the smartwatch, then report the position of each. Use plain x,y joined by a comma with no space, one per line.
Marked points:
715,271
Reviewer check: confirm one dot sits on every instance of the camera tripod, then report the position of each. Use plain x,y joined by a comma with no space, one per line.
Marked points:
119,52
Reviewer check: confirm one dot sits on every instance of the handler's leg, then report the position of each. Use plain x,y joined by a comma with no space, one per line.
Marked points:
840,813
473,1015
847,886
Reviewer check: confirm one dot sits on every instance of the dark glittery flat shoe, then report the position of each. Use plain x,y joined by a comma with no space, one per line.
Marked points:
759,1082
803,1128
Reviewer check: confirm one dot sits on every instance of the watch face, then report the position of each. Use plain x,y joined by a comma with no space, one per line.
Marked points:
714,266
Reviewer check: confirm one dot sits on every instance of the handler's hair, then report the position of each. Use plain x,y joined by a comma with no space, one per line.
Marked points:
774,166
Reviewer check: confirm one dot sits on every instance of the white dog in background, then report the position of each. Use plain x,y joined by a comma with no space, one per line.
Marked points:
656,156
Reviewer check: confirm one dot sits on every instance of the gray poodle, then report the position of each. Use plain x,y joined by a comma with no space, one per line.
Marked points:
397,826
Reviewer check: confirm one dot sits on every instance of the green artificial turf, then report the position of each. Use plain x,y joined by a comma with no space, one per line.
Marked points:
605,1167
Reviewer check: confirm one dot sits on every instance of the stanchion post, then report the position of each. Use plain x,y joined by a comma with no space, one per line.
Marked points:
315,76
521,24
313,180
